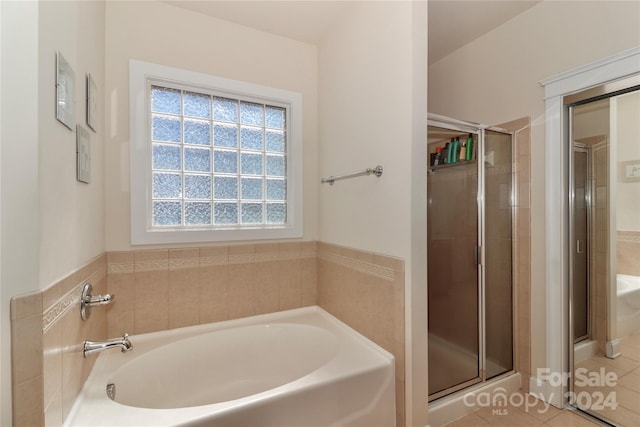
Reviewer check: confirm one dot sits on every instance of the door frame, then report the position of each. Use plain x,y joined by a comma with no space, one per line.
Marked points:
615,67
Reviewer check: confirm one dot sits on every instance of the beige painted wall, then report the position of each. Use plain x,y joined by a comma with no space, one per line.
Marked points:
163,34
628,193
19,155
495,79
372,110
71,212
52,224
365,116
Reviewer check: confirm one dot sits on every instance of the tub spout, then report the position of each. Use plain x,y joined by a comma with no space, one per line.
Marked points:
90,347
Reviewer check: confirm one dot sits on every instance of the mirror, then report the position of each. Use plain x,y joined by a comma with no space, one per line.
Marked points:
604,248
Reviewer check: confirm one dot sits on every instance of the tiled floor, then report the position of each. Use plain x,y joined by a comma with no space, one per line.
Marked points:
521,415
627,382
627,396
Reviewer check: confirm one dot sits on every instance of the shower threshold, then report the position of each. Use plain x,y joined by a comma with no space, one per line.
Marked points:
458,404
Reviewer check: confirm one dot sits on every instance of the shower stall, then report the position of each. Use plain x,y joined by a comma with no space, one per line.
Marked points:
470,219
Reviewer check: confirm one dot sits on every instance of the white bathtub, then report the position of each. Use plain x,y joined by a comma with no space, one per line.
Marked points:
297,368
628,302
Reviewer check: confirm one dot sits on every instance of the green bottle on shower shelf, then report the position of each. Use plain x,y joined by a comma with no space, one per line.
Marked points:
469,151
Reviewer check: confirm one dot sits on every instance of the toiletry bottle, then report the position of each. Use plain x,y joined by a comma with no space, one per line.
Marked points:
438,159
445,154
470,147
452,150
463,151
456,150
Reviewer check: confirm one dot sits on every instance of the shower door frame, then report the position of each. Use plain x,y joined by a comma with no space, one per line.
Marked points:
479,130
583,148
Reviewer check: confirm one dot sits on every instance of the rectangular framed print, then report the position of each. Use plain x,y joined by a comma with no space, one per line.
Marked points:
629,171
83,154
92,103
65,92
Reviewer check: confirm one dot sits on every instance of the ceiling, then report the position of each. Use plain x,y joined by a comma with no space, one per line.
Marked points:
452,23
455,23
303,20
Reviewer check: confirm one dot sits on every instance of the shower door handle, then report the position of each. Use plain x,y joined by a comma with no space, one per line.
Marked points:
579,248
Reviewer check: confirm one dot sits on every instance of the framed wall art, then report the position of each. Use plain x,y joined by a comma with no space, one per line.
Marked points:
92,103
65,92
629,171
83,154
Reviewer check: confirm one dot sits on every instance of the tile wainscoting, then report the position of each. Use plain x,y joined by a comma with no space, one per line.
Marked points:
171,288
366,291
48,369
628,252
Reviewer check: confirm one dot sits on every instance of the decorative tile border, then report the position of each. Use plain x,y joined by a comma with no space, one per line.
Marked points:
629,236
120,268
241,258
69,300
361,266
152,265
58,310
183,263
209,261
257,253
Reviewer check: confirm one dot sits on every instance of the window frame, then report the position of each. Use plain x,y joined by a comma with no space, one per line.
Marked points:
142,75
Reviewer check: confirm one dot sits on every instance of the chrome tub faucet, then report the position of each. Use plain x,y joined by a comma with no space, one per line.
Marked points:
90,347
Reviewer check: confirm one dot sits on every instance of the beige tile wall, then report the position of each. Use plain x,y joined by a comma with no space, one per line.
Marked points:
47,364
171,288
363,289
366,291
26,360
522,247
628,252
203,285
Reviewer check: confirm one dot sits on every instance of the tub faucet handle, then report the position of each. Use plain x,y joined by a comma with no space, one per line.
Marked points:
87,300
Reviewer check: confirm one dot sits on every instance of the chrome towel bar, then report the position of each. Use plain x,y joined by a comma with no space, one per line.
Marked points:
377,171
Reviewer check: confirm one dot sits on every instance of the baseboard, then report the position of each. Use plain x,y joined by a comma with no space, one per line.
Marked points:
613,349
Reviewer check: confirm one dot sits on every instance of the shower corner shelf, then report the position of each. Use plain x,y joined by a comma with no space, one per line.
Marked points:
434,168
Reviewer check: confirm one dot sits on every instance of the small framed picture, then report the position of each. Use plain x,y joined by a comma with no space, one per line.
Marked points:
92,103
65,92
629,171
83,154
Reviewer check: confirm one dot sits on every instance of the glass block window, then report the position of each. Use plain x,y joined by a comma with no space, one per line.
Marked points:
212,159
217,161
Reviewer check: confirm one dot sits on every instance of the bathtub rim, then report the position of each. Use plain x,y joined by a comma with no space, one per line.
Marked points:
635,280
91,388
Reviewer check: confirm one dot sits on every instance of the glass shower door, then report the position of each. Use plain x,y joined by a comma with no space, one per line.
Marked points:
580,282
470,239
498,244
452,210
